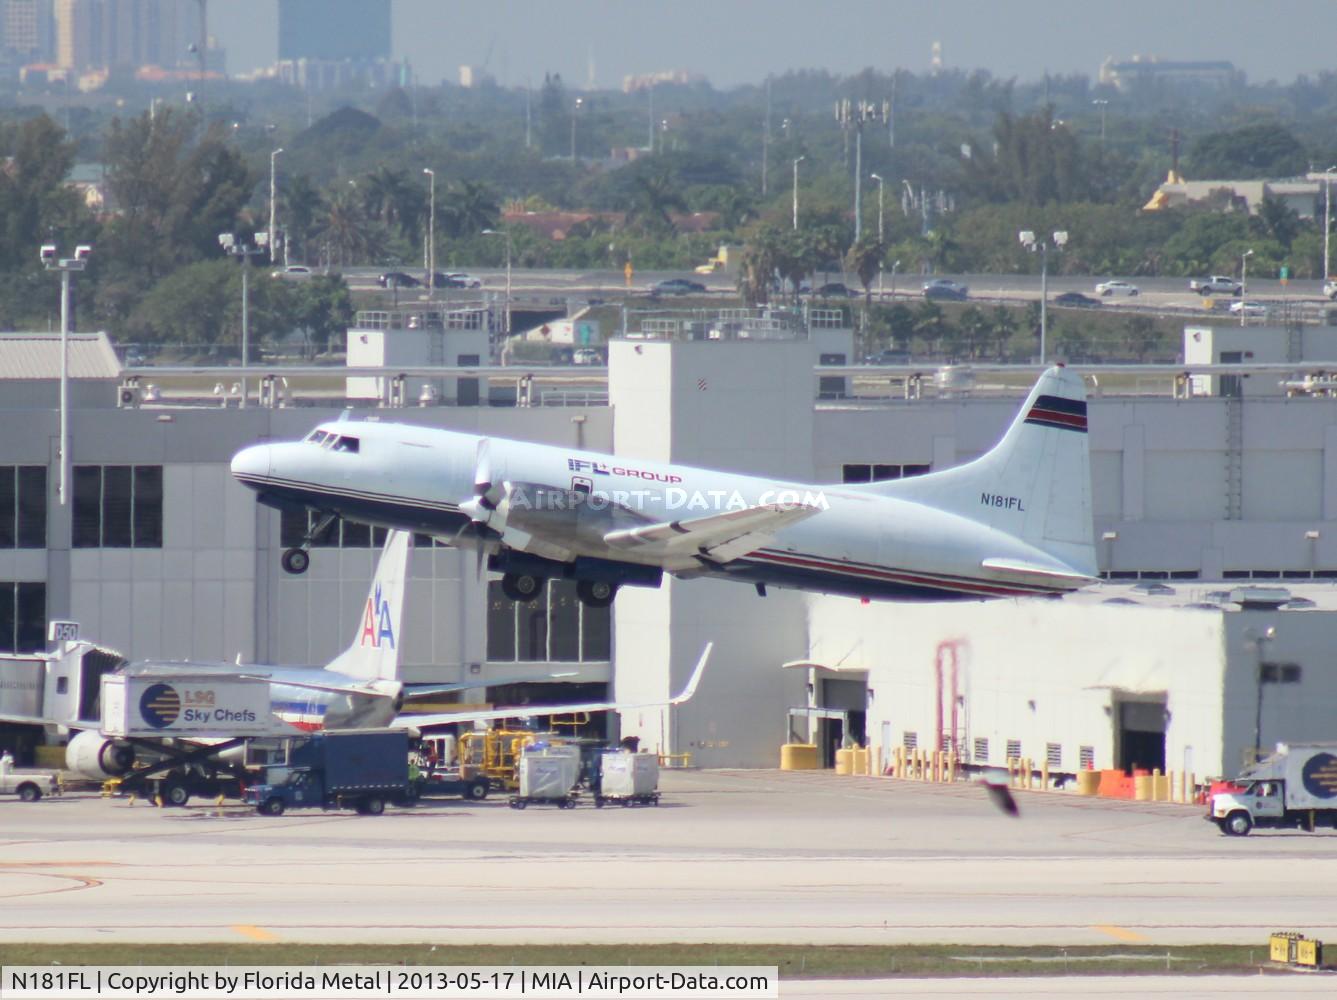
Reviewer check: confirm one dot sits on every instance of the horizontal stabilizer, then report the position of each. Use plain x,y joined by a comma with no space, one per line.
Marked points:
722,537
531,711
1040,574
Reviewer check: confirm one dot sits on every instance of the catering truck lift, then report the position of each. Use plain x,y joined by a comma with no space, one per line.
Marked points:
1294,787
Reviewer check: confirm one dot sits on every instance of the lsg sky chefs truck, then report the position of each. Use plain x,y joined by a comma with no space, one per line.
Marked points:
1294,787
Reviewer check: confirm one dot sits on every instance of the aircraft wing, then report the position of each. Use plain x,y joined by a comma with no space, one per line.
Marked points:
30,720
1039,574
412,691
720,537
530,711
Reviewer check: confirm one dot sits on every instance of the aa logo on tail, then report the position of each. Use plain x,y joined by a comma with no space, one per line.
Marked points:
376,626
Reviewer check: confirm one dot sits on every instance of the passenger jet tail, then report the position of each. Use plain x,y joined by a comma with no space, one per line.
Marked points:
1034,485
374,651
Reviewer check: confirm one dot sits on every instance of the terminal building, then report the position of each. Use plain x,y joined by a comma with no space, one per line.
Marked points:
1222,492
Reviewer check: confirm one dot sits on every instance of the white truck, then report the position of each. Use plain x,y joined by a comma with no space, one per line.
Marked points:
1294,787
1217,284
27,785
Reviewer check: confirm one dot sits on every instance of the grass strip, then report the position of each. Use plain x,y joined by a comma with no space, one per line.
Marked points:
794,961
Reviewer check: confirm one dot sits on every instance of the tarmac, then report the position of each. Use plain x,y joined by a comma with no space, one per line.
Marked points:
729,856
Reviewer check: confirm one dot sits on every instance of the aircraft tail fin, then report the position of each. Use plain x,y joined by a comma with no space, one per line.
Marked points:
374,651
1036,482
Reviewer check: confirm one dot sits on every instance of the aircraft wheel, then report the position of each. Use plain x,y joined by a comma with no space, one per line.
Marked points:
295,561
596,593
174,793
521,587
29,792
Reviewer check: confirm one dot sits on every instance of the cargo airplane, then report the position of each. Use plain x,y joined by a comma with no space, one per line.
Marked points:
1014,522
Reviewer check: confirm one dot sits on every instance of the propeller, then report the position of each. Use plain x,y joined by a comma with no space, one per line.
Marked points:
482,505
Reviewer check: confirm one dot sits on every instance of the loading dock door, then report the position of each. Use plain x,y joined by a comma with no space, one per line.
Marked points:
1141,736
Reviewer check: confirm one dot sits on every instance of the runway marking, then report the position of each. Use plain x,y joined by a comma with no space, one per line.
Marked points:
254,933
1121,933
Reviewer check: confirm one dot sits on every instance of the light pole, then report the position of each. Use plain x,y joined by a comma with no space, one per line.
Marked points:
505,233
880,233
797,161
580,103
1258,639
1327,218
1041,245
234,249
1244,285
66,266
272,191
431,230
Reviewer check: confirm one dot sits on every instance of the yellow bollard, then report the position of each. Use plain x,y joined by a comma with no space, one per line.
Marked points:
1044,776
898,762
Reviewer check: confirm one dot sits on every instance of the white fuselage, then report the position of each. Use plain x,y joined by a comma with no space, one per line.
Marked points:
416,478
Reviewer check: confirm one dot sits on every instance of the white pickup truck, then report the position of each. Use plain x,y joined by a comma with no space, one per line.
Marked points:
1330,288
1217,284
1294,787
27,785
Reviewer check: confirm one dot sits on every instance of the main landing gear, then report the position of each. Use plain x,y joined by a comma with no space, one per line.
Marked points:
297,559
525,587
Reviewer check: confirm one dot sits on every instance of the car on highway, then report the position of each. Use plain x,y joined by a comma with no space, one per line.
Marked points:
1330,288
587,356
677,286
397,279
1077,300
1217,284
463,280
1116,287
293,272
835,290
945,288
1249,307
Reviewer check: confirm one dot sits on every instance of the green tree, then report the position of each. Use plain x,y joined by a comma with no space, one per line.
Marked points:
345,232
323,310
467,209
1004,323
1143,336
1280,220
976,330
931,325
1253,151
303,206
865,260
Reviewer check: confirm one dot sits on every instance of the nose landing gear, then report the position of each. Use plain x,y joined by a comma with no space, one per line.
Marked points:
297,559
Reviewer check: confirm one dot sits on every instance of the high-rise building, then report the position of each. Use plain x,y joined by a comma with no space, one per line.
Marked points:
334,30
119,34
25,27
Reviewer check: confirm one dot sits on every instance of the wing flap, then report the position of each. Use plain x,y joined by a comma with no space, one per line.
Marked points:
720,536
1037,573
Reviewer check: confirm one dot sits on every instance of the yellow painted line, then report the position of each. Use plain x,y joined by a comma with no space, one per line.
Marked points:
1121,933
254,933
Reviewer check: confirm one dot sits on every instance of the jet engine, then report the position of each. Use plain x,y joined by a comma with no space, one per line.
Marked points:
96,756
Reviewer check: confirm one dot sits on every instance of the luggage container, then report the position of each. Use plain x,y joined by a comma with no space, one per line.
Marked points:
548,775
628,778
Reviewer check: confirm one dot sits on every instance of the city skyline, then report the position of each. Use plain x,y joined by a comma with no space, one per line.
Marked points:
517,40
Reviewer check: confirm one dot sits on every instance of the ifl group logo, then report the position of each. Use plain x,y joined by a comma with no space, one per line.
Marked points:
160,705
376,626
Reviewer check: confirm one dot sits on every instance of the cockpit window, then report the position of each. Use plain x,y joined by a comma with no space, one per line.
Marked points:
346,443
318,436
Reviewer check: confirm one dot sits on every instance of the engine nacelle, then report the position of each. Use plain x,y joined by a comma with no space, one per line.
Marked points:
96,756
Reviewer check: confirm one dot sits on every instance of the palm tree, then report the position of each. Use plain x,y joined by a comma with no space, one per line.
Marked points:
346,231
468,209
383,194
654,196
302,206
865,260
761,257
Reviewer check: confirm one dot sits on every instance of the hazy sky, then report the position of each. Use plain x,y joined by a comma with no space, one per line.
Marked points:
741,41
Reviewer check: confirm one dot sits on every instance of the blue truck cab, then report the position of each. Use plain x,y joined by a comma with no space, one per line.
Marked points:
362,769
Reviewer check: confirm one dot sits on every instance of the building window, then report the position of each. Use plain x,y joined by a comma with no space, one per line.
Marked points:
981,749
22,617
1013,749
554,627
117,507
22,506
910,740
861,472
1054,755
1279,673
1086,758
